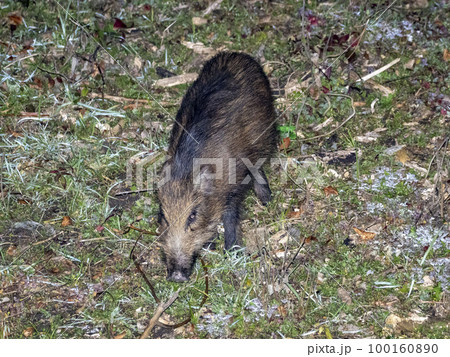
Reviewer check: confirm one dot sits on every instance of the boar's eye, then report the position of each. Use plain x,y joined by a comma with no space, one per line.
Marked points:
192,217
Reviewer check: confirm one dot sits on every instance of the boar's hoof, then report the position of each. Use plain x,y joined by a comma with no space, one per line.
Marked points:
178,277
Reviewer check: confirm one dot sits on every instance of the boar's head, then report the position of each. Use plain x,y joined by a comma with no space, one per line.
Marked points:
188,219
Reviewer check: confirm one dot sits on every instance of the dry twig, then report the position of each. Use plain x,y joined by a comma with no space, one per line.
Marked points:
159,310
176,80
341,124
164,306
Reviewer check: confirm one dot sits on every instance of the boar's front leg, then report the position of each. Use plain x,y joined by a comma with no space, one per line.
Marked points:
261,188
231,221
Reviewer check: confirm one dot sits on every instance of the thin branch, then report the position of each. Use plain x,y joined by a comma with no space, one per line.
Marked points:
434,156
340,125
159,310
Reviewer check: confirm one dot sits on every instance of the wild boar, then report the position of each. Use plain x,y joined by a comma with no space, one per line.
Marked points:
224,131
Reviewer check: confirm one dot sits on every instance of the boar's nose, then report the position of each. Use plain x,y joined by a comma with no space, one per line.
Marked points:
178,277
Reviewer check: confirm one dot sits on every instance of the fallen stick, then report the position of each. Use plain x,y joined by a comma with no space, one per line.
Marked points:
341,124
46,240
159,310
378,71
132,101
176,80
21,59
117,99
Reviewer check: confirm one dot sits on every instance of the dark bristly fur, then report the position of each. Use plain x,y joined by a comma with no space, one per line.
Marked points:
226,109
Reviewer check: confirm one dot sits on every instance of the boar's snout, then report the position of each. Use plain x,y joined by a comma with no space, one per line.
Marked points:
178,273
178,276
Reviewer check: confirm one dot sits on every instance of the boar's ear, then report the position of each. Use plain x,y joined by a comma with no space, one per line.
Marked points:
204,181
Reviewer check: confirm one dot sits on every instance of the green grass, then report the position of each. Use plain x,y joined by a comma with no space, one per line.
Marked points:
65,153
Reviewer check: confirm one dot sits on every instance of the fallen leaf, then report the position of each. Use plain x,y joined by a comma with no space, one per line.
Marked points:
265,20
199,21
310,239
130,107
344,296
392,320
103,127
15,19
314,92
328,333
66,221
285,144
281,253
418,4
15,134
28,332
385,91
120,336
97,276
388,303
282,311
363,234
320,278
279,238
51,82
37,81
446,55
190,328
295,213
329,190
11,251
427,282
119,24
410,64
402,156
406,324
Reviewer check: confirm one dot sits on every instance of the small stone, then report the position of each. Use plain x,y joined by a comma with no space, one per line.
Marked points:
116,130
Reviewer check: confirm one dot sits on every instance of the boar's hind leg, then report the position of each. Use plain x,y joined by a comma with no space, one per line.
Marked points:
262,189
231,220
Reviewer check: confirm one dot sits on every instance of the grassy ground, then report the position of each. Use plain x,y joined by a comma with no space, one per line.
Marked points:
355,243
